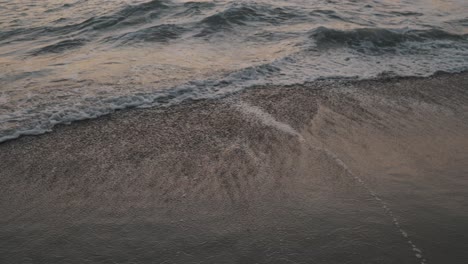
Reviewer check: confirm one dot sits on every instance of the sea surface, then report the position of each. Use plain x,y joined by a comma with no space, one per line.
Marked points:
69,60
355,172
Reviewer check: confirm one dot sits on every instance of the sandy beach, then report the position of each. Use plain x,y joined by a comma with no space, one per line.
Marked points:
372,171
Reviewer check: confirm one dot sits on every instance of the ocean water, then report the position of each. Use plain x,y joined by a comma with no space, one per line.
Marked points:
370,172
68,60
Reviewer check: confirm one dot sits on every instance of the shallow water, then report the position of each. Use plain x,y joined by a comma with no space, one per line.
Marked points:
367,172
69,60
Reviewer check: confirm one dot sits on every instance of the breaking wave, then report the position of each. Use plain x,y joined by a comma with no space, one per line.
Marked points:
88,58
379,37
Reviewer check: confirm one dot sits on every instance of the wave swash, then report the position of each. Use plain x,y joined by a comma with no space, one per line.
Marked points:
71,60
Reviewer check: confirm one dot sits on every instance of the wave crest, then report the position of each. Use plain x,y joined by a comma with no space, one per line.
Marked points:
378,37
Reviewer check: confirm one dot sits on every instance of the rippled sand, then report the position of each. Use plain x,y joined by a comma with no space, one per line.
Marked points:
333,172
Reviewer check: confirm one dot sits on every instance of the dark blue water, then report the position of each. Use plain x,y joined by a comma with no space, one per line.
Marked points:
76,59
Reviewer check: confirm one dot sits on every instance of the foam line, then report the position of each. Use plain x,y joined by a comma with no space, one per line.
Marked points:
416,250
268,120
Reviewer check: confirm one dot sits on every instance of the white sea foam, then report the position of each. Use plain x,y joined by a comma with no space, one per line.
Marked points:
266,119
140,53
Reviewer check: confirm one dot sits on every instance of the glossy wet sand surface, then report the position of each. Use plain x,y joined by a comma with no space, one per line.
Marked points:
331,172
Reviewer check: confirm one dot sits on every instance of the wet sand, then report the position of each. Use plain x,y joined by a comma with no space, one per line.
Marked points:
332,172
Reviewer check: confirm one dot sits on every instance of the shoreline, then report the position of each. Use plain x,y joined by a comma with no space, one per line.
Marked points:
360,170
319,82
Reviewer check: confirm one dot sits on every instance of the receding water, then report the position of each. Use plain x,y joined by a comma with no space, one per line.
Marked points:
75,59
335,172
